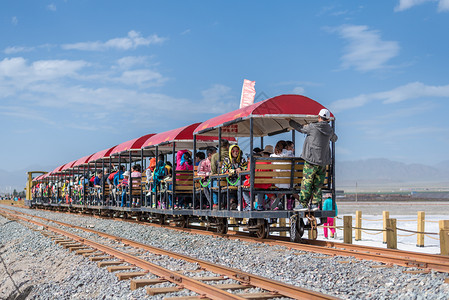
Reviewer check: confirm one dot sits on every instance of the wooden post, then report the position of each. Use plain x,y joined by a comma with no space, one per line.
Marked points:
386,215
444,237
392,241
347,229
282,223
358,224
421,227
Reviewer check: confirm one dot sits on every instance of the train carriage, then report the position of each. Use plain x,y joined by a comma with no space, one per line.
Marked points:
267,118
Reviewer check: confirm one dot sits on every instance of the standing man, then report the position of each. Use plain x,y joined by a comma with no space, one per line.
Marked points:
317,155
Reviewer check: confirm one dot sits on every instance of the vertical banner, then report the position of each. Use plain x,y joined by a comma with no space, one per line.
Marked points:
248,93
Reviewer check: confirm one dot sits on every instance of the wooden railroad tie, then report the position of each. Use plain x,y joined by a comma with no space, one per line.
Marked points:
138,283
77,248
163,290
210,278
416,271
259,295
98,258
232,286
187,298
84,251
109,263
124,276
120,268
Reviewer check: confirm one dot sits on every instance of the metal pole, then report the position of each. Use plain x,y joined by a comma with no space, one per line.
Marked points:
252,163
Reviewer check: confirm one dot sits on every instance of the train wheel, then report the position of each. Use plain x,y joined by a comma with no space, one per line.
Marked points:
162,219
262,231
296,229
222,225
183,222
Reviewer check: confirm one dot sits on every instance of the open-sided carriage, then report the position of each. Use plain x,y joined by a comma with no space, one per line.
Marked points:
268,118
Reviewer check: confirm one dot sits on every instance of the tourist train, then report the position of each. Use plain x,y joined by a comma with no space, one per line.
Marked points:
163,184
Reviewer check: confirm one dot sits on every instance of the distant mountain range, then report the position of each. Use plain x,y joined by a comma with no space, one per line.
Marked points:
363,173
385,173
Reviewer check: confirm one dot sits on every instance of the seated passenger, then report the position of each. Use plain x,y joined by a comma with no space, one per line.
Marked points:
199,156
233,165
184,161
204,170
136,180
124,185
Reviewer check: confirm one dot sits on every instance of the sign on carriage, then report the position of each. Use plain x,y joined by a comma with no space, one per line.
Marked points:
248,93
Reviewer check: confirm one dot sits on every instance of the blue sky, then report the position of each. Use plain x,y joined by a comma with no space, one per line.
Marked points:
77,77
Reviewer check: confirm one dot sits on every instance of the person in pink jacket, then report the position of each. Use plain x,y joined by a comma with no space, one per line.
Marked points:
184,160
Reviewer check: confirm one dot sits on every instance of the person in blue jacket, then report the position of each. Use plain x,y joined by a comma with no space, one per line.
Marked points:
327,205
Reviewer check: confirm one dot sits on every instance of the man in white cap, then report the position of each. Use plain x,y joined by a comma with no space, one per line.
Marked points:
317,155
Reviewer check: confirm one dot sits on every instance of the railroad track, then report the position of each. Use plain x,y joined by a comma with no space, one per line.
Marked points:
386,256
118,260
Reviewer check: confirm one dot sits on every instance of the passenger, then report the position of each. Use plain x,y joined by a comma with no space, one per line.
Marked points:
199,156
149,171
158,175
98,185
267,151
215,165
290,149
327,205
257,152
233,165
117,177
317,155
124,186
98,180
204,169
184,161
136,180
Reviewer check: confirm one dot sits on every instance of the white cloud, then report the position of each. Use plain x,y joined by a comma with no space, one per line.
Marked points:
218,99
402,93
132,41
298,90
17,49
187,31
14,20
143,78
443,5
51,7
131,61
365,50
17,69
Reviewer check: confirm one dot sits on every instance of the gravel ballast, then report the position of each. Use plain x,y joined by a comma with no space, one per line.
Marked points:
33,265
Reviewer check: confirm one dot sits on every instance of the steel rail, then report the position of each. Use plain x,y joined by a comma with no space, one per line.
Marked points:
275,287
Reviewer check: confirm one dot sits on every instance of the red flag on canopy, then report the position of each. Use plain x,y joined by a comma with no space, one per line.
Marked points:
248,93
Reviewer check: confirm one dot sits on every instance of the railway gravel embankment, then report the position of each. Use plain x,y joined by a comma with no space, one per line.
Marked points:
35,268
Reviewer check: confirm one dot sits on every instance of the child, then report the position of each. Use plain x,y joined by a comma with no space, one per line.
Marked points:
327,205
124,185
